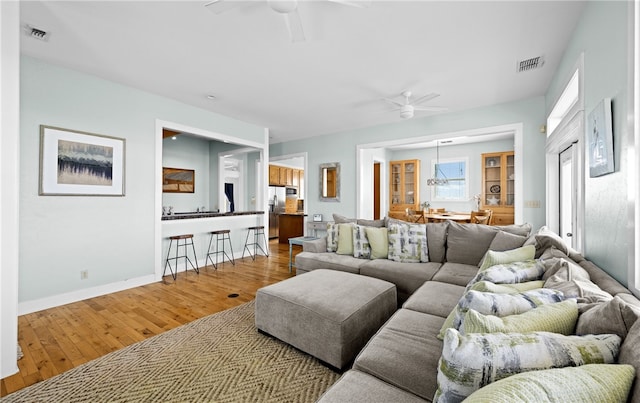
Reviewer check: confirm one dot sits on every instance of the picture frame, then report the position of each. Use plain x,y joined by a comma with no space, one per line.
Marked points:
178,180
77,163
317,217
600,140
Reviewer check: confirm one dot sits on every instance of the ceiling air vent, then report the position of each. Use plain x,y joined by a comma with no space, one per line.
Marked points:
530,64
36,33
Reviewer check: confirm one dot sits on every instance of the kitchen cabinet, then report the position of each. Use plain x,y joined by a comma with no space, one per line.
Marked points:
296,178
498,186
283,176
404,187
274,175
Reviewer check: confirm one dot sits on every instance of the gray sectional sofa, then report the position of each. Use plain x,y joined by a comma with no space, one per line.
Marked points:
400,363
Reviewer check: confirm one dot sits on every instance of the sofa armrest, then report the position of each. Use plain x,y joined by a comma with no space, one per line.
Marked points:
316,246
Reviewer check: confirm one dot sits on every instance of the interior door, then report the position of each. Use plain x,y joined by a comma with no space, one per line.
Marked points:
376,191
568,194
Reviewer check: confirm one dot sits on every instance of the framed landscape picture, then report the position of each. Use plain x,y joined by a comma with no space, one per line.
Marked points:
600,139
74,163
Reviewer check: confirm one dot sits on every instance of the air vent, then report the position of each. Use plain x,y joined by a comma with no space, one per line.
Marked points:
530,64
36,33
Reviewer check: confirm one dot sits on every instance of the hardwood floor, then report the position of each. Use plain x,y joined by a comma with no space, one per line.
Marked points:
61,338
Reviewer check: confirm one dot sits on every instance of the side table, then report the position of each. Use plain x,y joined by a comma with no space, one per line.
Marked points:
297,241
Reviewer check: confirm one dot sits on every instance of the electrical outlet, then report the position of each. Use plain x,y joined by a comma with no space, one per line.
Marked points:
84,274
532,203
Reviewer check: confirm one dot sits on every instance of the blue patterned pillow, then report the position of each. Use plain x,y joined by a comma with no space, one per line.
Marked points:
408,243
332,237
361,247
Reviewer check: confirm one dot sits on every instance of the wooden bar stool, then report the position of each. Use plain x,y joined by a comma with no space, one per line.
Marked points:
221,236
257,232
187,239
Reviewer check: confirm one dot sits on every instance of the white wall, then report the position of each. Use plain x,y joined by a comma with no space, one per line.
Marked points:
602,35
9,185
187,152
113,238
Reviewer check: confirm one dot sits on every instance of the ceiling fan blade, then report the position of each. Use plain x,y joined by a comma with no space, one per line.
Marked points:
394,102
431,108
426,98
220,6
294,24
353,3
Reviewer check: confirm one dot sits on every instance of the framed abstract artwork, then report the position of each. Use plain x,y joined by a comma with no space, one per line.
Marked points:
178,180
75,163
600,139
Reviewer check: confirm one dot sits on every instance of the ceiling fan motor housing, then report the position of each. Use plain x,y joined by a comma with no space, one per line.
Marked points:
406,112
283,6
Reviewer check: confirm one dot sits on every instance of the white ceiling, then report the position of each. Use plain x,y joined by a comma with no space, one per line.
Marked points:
335,80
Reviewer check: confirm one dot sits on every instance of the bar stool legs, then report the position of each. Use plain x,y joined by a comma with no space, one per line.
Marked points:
221,236
187,240
257,232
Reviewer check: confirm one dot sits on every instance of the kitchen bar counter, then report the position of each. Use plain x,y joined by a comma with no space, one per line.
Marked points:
206,214
291,226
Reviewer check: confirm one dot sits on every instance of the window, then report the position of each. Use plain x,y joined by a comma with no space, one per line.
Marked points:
456,172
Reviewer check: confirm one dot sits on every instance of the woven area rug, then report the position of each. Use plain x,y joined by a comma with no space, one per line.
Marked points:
219,358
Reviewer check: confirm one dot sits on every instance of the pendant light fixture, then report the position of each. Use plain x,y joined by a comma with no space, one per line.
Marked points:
435,180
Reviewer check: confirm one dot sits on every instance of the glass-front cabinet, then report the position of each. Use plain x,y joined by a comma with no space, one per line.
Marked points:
404,192
498,186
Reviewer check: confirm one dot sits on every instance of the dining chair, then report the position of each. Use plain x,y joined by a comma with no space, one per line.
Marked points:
481,217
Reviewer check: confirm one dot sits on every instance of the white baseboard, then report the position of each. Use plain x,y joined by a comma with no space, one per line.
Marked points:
74,296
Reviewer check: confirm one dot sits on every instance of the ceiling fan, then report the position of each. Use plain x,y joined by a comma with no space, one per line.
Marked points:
288,8
408,107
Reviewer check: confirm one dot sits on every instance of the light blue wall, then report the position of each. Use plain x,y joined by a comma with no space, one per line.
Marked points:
112,237
473,153
341,147
602,35
187,152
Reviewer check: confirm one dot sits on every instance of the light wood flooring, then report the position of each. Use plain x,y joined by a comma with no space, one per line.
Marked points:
58,339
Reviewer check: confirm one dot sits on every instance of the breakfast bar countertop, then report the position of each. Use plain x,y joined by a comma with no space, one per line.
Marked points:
207,214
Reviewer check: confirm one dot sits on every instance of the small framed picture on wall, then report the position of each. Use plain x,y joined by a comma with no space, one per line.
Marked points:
600,140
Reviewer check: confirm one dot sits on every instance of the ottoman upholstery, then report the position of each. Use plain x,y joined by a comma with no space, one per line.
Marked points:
326,313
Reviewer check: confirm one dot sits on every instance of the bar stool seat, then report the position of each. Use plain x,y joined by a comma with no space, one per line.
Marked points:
257,232
187,239
221,236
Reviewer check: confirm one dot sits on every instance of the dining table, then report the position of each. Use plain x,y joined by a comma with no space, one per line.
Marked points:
439,217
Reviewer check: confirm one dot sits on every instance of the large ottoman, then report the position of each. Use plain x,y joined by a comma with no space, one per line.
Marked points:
326,313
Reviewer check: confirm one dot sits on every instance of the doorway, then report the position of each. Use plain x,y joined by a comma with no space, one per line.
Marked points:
568,194
376,190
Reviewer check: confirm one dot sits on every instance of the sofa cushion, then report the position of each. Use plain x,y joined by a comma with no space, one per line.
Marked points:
378,241
602,278
560,318
615,316
587,383
340,219
456,273
435,298
408,243
472,361
405,352
564,270
584,290
459,247
361,247
407,277
358,387
516,229
328,260
437,240
371,223
630,354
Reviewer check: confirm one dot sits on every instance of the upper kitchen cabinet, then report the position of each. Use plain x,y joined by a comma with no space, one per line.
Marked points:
404,183
498,186
284,176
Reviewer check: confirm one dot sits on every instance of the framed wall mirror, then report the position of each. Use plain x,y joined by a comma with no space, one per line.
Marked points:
330,182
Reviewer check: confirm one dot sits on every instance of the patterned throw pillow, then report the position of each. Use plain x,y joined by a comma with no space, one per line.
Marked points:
408,243
501,305
471,361
510,273
587,383
488,286
361,247
560,318
332,237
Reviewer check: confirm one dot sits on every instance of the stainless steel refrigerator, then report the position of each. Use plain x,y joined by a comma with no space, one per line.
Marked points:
277,197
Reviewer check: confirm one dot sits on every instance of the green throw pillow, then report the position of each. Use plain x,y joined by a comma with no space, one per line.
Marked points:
378,241
557,318
470,362
345,239
608,383
492,258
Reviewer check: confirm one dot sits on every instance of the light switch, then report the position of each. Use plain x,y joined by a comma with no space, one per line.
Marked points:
532,203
